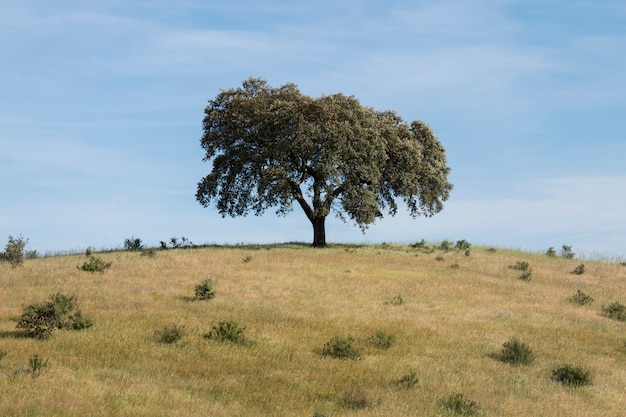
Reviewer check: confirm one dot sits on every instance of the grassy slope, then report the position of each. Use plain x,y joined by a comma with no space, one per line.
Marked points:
292,300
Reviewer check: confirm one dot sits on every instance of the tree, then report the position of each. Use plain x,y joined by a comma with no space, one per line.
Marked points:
271,147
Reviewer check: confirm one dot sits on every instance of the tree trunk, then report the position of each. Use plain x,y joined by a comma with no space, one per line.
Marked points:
319,232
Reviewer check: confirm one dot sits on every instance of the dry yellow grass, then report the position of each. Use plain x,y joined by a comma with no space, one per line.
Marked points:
456,313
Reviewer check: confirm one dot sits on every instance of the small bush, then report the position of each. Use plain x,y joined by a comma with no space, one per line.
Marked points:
14,251
463,245
133,244
526,275
580,298
446,245
551,252
341,348
356,399
149,253
169,334
615,311
579,270
458,404
204,290
566,252
59,312
440,258
571,376
408,380
515,352
95,264
36,365
382,340
227,331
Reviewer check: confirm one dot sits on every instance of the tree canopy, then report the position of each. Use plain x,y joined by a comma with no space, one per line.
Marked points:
273,146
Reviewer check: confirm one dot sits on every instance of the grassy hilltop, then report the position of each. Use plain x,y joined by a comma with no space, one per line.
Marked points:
370,331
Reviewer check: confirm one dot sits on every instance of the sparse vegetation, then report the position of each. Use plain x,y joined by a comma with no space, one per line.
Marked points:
357,399
227,331
341,348
133,244
523,266
459,404
14,251
204,290
579,270
396,300
515,352
95,264
615,311
59,312
572,376
408,380
292,299
580,298
566,252
169,334
36,365
2,354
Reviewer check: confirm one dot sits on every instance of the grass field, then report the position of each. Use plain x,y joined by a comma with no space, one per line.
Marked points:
446,316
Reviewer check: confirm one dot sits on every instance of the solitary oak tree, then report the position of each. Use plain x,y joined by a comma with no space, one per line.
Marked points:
272,146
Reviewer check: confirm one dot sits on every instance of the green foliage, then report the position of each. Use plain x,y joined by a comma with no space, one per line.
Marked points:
571,376
525,268
515,352
204,290
580,298
445,245
440,258
381,340
341,348
36,365
408,380
169,334
95,264
566,252
463,245
14,251
615,311
272,147
458,404
227,331
579,270
551,252
319,414
2,354
133,244
59,312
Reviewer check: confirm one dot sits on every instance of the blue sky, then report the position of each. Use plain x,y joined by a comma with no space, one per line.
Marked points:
101,105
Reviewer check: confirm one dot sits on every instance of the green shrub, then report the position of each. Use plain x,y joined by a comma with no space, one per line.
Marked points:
227,331
382,340
440,258
579,270
95,264
515,352
571,376
446,245
458,404
615,311
14,251
36,365
580,298
169,334
341,348
204,290
133,244
462,245
59,312
521,266
566,252
551,252
407,380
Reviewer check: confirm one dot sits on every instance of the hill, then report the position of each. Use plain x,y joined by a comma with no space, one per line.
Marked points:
426,328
